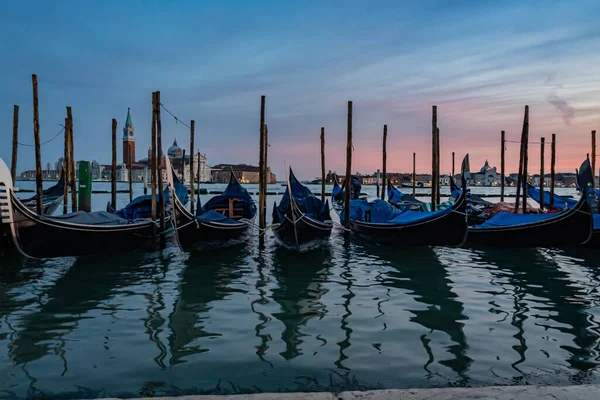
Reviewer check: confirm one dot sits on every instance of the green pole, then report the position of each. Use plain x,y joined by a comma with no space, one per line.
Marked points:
85,186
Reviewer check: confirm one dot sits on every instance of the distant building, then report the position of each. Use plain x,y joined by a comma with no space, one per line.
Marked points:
179,163
128,141
487,176
47,174
243,173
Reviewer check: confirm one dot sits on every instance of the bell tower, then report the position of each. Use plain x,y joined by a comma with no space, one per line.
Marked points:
128,141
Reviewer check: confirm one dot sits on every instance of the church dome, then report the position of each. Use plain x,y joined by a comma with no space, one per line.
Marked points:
175,151
486,167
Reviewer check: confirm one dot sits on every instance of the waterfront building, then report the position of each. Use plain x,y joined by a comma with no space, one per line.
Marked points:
487,176
244,173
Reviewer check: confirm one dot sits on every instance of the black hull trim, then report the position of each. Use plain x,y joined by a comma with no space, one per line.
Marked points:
445,230
594,242
569,228
194,235
41,238
306,234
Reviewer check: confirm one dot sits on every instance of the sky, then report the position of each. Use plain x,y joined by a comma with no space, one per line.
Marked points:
480,62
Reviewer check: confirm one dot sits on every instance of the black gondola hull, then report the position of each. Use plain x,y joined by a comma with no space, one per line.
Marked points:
570,228
449,230
42,238
445,230
306,234
594,242
197,235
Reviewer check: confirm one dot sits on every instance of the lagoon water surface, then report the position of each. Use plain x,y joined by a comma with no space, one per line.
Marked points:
341,318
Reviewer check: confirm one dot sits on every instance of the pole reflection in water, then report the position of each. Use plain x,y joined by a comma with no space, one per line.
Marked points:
205,280
248,320
551,312
435,307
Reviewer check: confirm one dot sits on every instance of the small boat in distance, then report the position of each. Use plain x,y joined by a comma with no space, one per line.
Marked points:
225,220
301,221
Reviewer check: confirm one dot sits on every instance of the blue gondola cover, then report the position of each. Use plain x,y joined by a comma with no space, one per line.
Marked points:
236,192
559,202
304,199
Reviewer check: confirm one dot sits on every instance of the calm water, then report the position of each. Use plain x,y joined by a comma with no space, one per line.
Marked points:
340,318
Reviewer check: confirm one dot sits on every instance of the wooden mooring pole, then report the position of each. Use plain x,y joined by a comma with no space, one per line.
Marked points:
72,162
183,166
384,169
199,204
502,165
433,155
452,165
38,156
266,171
161,194
542,143
153,166
66,165
261,169
437,167
145,180
113,167
414,174
525,157
552,171
348,174
15,143
323,164
192,128
520,174
594,157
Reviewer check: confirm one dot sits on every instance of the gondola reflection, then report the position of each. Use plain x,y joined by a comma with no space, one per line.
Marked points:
422,273
299,290
203,280
548,292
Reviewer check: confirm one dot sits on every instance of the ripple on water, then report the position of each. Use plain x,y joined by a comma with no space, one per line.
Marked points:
244,320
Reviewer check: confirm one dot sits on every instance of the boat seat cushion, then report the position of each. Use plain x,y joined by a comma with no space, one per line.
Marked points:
89,218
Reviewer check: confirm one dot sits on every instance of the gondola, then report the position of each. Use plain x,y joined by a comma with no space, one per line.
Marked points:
301,221
75,234
571,227
141,206
383,223
477,208
224,221
51,199
565,203
337,194
402,200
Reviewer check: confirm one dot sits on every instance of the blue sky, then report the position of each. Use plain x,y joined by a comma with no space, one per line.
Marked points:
479,61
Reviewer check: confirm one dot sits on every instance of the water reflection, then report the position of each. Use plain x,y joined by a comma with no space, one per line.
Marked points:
204,279
299,290
424,276
546,291
364,316
86,284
